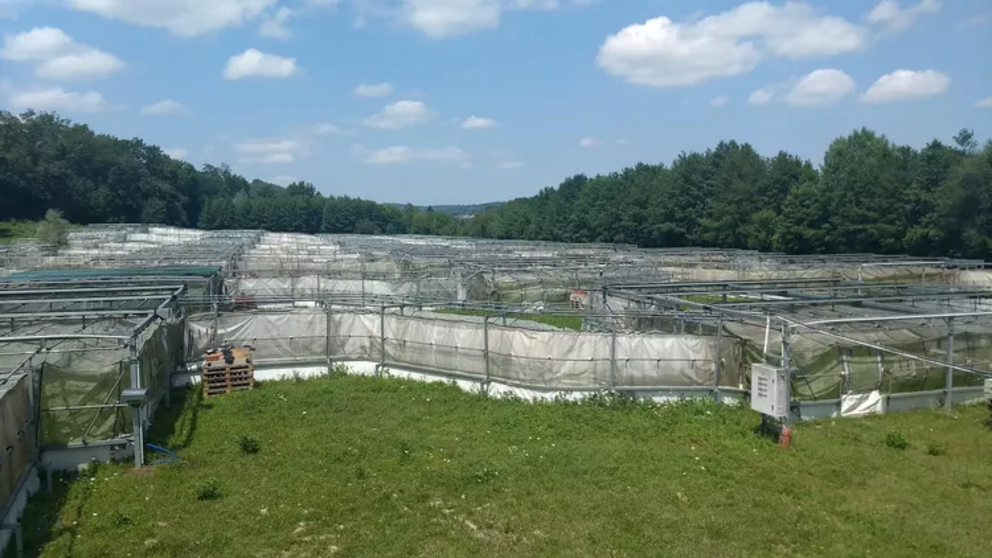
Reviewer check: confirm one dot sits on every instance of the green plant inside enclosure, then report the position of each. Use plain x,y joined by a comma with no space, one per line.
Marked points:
357,466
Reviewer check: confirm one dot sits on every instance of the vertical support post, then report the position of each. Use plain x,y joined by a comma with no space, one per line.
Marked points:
382,335
949,375
327,334
485,349
787,365
19,540
138,426
718,361
362,271
845,370
613,359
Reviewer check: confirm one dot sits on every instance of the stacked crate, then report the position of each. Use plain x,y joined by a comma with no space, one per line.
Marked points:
228,369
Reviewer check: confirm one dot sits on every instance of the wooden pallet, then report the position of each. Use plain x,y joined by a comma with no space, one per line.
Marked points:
217,381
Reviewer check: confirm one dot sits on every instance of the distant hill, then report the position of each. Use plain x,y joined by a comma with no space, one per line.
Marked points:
455,210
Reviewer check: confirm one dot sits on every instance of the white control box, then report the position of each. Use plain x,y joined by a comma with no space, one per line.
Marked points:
770,390
988,390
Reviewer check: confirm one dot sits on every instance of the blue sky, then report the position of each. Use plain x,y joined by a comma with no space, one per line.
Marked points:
477,100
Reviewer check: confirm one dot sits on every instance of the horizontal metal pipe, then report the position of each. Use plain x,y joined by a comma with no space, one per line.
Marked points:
909,317
84,407
61,337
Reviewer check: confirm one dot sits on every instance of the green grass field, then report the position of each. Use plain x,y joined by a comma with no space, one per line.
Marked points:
556,320
354,466
14,230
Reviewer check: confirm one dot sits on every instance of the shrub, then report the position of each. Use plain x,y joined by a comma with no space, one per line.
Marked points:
208,489
249,444
936,449
54,229
896,440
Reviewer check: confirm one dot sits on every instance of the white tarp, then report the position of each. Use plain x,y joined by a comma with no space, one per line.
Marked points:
551,359
860,404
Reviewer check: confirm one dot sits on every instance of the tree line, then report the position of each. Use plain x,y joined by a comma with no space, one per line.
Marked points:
869,195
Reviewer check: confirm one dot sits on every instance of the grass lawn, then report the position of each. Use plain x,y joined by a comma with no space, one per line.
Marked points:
556,320
354,466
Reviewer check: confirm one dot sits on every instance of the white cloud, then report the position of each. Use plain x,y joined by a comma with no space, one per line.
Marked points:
904,85
401,114
440,19
168,106
984,103
185,18
588,142
58,99
283,180
374,91
272,151
402,154
891,17
254,63
663,53
58,56
820,88
324,128
274,26
509,165
177,153
761,97
719,101
478,123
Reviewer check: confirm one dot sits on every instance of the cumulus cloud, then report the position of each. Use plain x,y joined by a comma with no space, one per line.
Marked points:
440,19
399,115
57,56
820,88
588,142
719,101
288,147
274,26
270,151
168,106
184,18
402,155
58,99
478,123
373,91
761,96
254,63
893,18
905,85
663,53
177,153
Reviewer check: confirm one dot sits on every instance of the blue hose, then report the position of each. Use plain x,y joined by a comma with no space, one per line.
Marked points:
162,450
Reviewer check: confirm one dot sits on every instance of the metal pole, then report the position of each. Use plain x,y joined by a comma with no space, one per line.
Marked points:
717,361
949,375
613,360
137,426
382,335
485,348
327,333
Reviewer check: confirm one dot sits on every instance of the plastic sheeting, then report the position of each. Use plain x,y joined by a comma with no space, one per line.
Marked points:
552,359
14,433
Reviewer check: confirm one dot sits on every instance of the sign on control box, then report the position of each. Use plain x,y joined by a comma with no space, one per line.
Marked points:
770,390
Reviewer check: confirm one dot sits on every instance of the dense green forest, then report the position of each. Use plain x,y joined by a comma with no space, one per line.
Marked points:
869,195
